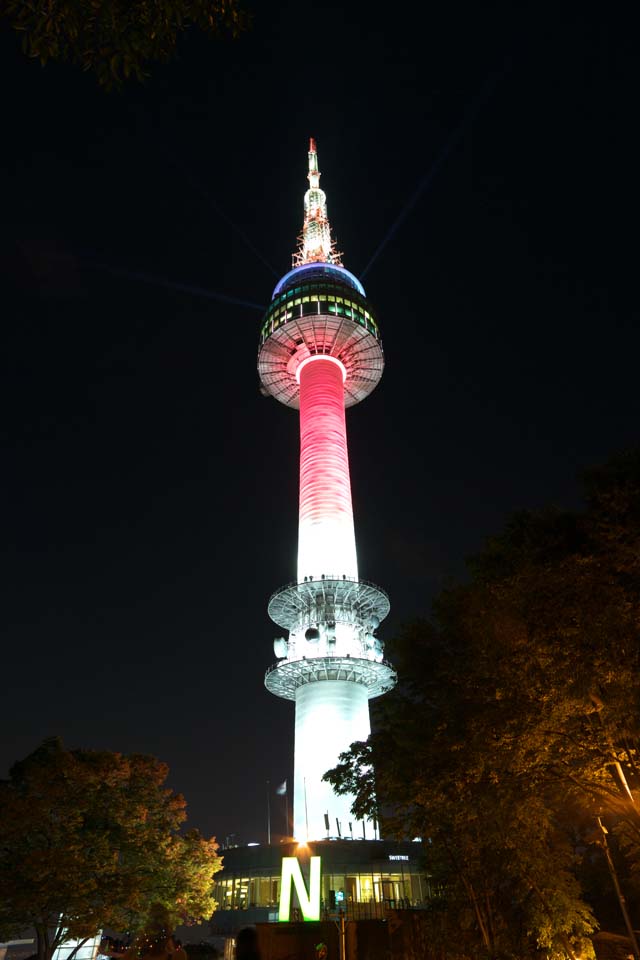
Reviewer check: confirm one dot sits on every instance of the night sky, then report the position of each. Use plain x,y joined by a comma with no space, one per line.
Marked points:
148,490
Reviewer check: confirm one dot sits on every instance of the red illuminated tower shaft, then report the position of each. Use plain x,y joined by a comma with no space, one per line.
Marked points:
326,537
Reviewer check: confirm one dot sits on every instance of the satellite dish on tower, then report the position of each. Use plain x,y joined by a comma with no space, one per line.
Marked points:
280,647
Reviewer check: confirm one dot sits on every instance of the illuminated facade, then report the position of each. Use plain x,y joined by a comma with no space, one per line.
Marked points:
320,352
362,880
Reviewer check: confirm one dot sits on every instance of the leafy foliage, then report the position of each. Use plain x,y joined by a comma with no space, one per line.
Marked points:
117,39
517,721
90,840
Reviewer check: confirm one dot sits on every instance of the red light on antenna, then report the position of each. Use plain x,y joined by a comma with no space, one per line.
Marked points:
312,145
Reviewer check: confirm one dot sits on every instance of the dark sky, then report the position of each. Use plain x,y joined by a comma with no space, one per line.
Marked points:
148,491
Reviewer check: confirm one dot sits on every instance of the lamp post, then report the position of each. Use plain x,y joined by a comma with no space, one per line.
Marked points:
619,893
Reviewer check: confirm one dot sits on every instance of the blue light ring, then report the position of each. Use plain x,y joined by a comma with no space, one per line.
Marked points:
321,269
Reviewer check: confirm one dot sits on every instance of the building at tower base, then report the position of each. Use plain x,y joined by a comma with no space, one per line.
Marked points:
363,880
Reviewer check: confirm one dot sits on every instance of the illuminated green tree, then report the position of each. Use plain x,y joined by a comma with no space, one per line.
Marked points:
90,840
117,39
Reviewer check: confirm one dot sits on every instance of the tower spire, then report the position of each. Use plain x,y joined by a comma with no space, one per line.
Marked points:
315,245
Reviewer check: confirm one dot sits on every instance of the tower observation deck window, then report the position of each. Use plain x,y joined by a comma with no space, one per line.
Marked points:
321,298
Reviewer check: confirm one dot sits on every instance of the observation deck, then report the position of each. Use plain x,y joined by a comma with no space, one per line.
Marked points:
319,308
328,600
319,606
284,678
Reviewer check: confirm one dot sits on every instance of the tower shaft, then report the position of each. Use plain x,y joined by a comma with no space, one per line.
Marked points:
326,536
329,717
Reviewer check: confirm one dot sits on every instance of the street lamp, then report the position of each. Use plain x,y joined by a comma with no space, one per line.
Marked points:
621,899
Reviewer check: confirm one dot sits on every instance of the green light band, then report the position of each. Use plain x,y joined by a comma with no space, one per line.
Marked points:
318,299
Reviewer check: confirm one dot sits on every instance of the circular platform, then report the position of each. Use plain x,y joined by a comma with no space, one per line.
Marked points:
284,678
341,600
319,318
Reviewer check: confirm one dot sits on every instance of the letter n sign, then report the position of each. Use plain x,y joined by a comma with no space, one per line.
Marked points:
292,875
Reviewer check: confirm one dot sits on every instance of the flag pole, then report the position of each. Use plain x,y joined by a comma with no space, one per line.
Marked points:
306,812
286,813
268,817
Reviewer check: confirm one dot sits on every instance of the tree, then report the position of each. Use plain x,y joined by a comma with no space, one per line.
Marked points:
500,860
517,721
116,39
90,840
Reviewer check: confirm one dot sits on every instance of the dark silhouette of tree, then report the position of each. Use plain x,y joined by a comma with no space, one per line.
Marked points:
517,721
118,39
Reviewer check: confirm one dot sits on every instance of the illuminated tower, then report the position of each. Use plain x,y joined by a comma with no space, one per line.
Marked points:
320,351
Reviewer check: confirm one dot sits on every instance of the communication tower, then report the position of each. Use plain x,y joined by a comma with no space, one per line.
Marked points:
320,352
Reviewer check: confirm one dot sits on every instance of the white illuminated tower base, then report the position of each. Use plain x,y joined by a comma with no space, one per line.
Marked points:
320,351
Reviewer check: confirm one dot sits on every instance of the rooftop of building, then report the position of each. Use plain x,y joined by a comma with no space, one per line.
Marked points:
335,853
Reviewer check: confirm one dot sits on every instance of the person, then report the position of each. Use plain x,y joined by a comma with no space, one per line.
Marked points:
104,950
247,944
157,948
179,952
